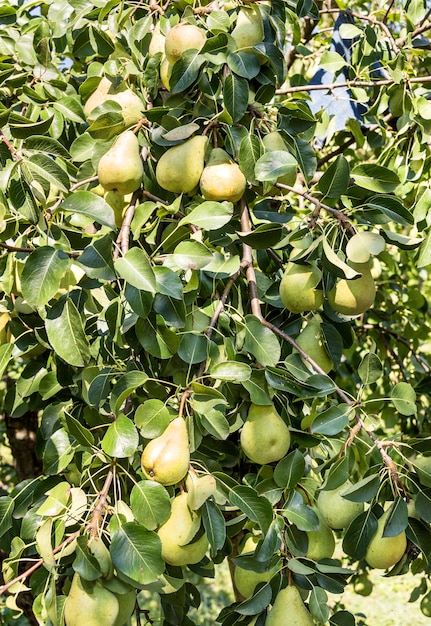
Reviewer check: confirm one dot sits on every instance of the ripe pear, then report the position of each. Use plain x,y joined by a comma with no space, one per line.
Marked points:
274,141
5,334
321,543
298,288
422,466
91,605
121,167
384,552
246,580
180,167
336,510
165,73
183,37
177,533
355,296
311,340
157,43
362,585
289,608
130,102
248,29
265,437
222,178
166,458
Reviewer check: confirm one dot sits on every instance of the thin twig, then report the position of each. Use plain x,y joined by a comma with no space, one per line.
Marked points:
94,524
351,83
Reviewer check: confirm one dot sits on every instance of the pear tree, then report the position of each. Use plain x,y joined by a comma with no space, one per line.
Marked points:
215,346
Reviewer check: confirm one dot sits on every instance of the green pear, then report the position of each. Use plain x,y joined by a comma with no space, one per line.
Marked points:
355,296
288,608
247,580
130,103
166,458
121,167
248,30
321,543
177,533
312,341
384,552
183,37
91,605
274,141
180,167
336,510
222,178
157,43
265,437
298,288
362,585
422,466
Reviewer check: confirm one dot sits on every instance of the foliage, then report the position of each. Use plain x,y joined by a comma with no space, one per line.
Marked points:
108,332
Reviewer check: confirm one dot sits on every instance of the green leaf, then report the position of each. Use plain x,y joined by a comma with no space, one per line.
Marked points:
335,265
289,470
404,242
397,520
335,180
235,96
150,503
250,149
304,154
404,398
370,369
259,601
257,508
58,452
78,431
261,342
364,490
231,371
332,61
375,177
273,164
317,603
56,501
85,564
152,417
5,356
332,421
137,553
214,524
66,333
7,505
191,255
126,384
168,283
121,439
209,215
90,205
42,274
244,64
359,534
300,514
136,270
185,71
392,208
42,143
44,168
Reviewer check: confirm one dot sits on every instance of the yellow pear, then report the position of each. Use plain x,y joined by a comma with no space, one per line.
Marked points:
121,167
166,458
384,552
165,73
422,466
321,543
355,296
336,510
177,533
130,103
311,340
183,37
180,167
298,287
265,437
247,580
248,29
274,141
91,605
288,608
222,178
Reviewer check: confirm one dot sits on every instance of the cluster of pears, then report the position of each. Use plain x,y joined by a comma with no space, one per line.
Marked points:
130,103
265,436
182,168
104,601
